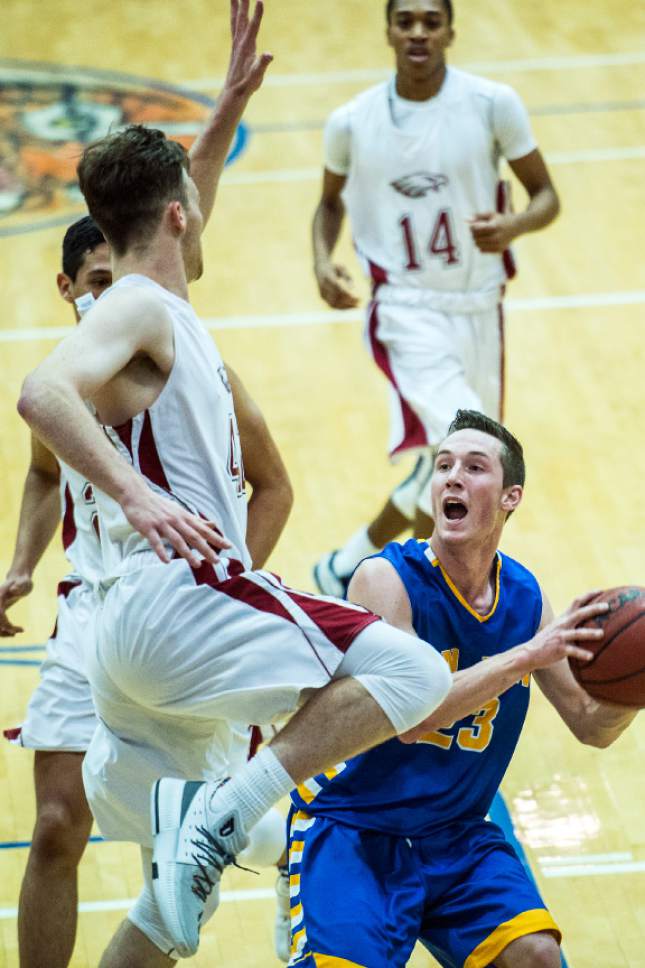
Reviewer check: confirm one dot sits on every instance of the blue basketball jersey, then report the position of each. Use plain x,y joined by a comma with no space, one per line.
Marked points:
451,774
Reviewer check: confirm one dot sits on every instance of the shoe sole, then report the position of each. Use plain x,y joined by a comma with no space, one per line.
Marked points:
168,804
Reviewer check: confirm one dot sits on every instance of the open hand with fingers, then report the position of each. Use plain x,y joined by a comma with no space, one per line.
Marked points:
565,637
246,67
335,286
164,522
12,588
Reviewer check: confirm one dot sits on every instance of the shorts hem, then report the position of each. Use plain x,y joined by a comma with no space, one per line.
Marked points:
528,922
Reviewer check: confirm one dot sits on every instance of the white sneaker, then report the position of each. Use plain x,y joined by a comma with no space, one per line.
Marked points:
282,927
192,845
328,582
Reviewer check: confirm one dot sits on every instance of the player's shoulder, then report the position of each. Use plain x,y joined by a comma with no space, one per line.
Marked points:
132,300
518,576
363,102
465,83
412,553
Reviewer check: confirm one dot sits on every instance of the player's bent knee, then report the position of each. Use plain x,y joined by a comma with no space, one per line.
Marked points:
403,674
60,833
539,950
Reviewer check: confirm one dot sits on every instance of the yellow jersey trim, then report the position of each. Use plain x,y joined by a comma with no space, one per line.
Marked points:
329,961
528,922
460,598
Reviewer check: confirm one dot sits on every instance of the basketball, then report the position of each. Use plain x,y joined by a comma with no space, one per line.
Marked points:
617,671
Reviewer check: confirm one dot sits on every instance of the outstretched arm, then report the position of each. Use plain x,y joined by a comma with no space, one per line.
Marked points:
244,76
377,585
39,518
593,723
272,497
115,330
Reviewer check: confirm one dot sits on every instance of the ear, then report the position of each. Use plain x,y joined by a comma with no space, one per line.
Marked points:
176,217
451,37
511,498
65,287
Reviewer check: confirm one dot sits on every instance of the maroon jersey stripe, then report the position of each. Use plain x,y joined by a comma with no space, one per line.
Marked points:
378,274
149,460
504,205
124,432
69,524
414,434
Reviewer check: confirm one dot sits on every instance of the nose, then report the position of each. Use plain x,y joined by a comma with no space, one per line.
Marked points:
453,478
419,31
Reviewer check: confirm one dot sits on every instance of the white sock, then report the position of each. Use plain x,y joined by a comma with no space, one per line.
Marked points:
254,789
358,547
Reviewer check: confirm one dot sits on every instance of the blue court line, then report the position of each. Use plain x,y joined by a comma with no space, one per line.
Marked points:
500,814
21,662
18,844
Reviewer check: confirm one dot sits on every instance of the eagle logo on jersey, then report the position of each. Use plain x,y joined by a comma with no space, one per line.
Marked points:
419,184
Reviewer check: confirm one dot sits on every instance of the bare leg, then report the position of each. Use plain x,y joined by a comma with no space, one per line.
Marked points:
307,746
47,911
388,524
129,948
539,950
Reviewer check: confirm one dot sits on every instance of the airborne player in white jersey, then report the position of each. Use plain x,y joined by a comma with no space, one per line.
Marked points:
415,163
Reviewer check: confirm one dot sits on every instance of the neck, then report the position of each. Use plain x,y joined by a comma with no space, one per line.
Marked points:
164,267
420,89
471,569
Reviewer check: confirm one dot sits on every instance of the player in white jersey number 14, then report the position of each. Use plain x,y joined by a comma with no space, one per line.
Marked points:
414,162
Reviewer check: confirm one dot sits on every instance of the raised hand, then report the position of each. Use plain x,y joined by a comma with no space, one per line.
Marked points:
246,68
12,588
162,522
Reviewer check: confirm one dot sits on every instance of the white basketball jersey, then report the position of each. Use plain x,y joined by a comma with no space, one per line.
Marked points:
81,539
186,445
409,196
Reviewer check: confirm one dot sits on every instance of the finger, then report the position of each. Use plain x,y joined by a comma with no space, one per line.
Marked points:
181,546
587,612
213,534
585,599
256,20
157,545
233,13
574,652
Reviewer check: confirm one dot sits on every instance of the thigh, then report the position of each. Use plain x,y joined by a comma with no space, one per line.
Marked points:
60,715
490,902
485,360
356,898
182,642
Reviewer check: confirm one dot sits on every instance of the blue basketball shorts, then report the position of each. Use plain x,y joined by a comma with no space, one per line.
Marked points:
362,899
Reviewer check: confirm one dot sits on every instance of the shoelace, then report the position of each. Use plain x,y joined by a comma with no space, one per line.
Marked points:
208,852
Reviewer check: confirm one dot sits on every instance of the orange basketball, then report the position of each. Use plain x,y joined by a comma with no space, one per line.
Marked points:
617,671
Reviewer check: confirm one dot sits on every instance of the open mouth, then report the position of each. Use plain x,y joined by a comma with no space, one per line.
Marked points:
454,509
418,54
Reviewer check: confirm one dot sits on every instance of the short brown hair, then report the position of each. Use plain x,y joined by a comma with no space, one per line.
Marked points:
127,179
512,455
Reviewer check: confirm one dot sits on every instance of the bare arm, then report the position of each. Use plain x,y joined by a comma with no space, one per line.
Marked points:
494,232
377,585
244,76
272,497
39,518
593,723
79,368
334,281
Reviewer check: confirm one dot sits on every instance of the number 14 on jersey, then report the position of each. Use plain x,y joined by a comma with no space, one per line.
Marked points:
441,245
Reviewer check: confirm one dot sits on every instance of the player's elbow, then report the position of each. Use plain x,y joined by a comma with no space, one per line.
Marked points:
30,399
591,734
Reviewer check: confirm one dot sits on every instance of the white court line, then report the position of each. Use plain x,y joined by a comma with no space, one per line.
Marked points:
123,904
577,859
270,175
595,870
519,66
592,300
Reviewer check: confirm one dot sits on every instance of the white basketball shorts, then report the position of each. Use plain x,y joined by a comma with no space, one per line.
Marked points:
60,715
178,657
436,362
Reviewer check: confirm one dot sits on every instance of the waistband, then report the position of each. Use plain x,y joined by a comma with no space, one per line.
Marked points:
480,301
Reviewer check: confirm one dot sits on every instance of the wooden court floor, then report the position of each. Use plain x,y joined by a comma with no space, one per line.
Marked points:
576,369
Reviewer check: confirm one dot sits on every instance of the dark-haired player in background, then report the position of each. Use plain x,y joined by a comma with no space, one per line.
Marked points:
415,162
403,828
